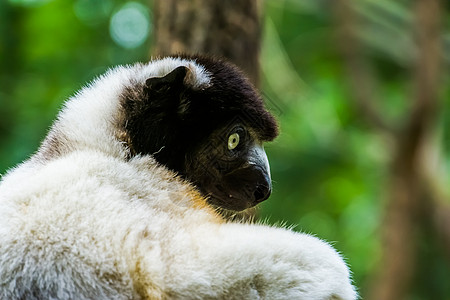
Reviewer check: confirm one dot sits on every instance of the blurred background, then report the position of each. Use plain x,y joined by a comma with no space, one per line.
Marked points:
361,90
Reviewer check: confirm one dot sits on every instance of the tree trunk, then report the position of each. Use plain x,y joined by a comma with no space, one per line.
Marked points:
226,28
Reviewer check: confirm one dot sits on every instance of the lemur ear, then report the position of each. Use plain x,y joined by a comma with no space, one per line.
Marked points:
174,78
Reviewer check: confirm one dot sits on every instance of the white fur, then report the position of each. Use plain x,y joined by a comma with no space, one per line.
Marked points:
90,224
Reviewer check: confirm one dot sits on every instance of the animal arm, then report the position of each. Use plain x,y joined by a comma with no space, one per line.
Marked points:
237,261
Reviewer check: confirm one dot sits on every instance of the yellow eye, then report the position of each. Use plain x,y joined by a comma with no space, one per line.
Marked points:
233,141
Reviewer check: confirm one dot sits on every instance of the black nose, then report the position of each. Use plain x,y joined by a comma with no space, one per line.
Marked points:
262,186
246,187
261,193
258,180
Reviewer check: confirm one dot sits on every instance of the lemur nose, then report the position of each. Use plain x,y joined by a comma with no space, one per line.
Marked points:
262,187
261,193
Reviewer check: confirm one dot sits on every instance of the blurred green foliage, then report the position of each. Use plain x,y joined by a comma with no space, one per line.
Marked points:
330,169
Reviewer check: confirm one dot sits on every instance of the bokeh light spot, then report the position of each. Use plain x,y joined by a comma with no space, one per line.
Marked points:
130,26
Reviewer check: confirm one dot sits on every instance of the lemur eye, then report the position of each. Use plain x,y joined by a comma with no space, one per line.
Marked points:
233,141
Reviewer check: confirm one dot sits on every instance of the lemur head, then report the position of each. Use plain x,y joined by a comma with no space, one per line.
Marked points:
204,120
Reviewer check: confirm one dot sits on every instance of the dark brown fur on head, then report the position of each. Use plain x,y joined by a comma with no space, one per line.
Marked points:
169,118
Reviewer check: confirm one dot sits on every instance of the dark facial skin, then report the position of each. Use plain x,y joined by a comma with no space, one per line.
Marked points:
231,168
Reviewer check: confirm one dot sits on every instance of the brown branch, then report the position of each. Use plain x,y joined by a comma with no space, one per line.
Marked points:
363,85
441,222
407,188
403,211
439,210
427,66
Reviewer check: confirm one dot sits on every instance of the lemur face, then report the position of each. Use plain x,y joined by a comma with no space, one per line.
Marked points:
209,128
231,167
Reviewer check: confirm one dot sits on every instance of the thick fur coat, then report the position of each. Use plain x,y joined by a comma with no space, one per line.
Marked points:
90,216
